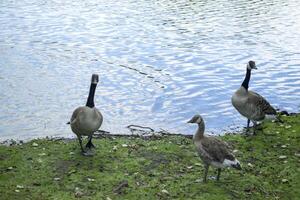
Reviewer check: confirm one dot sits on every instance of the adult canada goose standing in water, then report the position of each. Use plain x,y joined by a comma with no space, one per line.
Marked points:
87,119
250,104
212,151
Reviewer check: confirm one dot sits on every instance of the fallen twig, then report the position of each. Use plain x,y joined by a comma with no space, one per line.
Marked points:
119,188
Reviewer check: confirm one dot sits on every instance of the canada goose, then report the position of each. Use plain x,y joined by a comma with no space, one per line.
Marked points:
250,104
87,119
212,151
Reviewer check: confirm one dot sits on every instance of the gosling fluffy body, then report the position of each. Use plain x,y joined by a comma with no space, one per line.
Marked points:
211,150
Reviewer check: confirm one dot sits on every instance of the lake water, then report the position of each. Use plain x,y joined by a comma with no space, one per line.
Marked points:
159,62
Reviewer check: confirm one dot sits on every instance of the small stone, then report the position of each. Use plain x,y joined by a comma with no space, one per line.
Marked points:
90,179
115,148
72,171
285,161
198,180
124,145
297,154
35,144
283,146
17,191
20,186
234,151
250,165
282,157
78,194
284,180
189,167
165,191
56,179
10,168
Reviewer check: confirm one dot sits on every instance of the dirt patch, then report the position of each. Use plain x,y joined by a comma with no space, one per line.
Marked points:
157,158
3,157
62,167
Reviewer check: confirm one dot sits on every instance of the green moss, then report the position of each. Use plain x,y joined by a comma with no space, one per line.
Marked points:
166,168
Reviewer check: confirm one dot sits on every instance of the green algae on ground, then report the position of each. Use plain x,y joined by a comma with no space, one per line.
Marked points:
165,168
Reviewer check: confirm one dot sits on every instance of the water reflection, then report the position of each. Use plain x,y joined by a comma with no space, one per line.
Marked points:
159,62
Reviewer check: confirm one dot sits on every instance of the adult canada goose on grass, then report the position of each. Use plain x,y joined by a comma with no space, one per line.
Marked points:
87,119
250,104
212,150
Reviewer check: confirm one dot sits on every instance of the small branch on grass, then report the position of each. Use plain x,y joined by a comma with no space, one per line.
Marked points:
140,128
121,185
140,132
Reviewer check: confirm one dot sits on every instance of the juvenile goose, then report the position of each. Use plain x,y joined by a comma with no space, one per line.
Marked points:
87,119
212,151
250,104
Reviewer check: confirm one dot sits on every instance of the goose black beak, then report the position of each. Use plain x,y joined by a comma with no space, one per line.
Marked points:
191,121
237,166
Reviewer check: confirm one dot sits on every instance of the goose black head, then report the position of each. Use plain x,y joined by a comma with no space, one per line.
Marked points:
95,79
251,65
197,119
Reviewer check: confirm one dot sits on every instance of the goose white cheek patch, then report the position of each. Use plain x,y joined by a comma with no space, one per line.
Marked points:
198,121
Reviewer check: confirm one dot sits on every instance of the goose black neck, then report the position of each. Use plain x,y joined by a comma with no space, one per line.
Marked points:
245,83
90,100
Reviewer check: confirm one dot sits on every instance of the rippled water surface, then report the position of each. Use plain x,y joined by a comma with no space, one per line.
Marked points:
159,62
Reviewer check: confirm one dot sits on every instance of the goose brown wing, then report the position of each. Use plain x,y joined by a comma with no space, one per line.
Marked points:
260,102
218,150
75,113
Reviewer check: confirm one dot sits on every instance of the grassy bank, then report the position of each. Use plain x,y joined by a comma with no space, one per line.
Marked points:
166,168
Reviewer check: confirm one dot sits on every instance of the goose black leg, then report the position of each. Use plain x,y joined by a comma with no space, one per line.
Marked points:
80,142
90,144
205,172
254,127
248,124
219,173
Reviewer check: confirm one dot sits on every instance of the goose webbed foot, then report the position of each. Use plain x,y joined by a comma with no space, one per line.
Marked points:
87,153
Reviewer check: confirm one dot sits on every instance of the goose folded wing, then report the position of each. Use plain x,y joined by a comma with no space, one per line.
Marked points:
75,113
218,150
261,102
